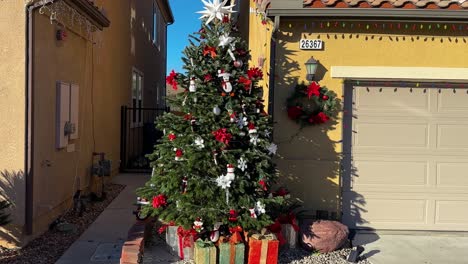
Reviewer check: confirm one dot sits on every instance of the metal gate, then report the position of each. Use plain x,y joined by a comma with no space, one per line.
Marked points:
138,136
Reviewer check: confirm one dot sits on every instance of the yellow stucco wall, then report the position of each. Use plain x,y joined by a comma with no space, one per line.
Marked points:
309,159
259,45
12,111
103,72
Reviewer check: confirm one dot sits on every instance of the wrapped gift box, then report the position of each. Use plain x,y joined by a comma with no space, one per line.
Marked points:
263,249
171,239
205,252
289,233
186,240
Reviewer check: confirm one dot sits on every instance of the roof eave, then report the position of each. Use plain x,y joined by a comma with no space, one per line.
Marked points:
166,10
374,13
88,9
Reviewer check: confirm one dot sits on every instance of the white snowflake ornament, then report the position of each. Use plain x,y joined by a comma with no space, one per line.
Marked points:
242,164
272,148
254,140
215,9
225,40
200,143
260,208
223,182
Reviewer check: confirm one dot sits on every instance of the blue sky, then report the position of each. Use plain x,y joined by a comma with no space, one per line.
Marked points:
186,22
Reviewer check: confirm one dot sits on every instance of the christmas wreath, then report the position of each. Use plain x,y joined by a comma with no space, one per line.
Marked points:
311,104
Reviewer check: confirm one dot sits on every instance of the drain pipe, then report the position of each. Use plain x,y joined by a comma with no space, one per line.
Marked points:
29,115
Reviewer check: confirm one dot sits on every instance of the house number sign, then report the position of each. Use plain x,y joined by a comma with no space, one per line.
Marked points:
311,44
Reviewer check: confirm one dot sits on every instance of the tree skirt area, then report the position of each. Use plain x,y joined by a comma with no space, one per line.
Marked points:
50,246
156,251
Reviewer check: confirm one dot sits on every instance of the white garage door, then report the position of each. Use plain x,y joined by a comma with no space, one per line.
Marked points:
407,158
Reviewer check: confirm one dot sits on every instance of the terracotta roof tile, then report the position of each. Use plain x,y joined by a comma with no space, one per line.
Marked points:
429,4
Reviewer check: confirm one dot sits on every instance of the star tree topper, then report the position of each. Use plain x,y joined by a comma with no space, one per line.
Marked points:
215,9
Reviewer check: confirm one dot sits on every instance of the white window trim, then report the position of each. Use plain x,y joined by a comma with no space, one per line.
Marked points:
155,38
142,87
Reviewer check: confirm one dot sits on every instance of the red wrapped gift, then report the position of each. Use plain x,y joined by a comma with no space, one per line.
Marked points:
263,249
186,242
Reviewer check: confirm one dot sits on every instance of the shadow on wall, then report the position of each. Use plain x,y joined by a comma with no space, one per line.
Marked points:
12,189
308,160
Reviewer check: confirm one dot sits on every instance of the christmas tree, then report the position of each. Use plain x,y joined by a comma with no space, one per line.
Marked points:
214,164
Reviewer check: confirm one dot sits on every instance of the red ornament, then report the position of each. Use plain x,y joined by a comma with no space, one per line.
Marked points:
188,116
255,73
207,78
263,184
294,112
171,137
246,82
281,192
241,52
209,50
251,126
61,35
171,80
222,135
325,97
320,118
313,90
159,201
226,19
233,215
179,153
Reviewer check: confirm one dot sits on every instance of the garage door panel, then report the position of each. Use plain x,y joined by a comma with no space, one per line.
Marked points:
451,212
452,174
452,100
390,173
391,135
382,99
408,153
449,136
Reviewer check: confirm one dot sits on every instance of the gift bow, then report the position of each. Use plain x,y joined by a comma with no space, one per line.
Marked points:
289,219
186,234
264,235
276,229
236,237
204,244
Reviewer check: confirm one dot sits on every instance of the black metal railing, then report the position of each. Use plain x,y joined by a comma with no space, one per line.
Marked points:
138,136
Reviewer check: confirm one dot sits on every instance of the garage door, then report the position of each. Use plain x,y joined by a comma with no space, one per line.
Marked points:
406,158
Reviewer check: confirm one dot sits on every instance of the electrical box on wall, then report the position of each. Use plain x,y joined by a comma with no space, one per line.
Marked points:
67,113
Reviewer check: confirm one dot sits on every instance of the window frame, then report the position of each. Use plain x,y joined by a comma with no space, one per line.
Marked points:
155,25
136,117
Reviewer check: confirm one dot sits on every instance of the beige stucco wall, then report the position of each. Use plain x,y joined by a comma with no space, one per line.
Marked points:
12,113
103,72
310,160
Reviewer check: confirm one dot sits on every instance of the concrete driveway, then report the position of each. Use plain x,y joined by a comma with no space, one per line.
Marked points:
414,247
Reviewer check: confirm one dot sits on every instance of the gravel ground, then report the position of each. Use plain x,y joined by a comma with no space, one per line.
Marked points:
50,246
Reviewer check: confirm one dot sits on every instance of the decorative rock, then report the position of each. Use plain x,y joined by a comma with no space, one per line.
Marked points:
323,235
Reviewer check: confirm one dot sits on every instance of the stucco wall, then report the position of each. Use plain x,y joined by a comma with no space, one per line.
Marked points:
103,72
310,158
12,112
259,44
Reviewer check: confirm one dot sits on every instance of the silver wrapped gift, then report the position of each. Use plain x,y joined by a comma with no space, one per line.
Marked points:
179,245
289,234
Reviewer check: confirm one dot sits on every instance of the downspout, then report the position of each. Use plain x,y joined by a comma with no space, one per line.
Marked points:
29,116
165,70
271,83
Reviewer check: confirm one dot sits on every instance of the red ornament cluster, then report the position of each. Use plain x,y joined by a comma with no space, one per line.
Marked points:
222,136
255,74
159,201
171,80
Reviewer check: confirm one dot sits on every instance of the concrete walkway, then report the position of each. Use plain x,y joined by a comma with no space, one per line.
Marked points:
414,248
102,241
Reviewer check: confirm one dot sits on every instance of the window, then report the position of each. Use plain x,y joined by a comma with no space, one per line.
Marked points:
154,33
137,98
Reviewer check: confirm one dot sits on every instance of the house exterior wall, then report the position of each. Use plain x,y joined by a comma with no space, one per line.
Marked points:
260,45
102,68
310,161
12,113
